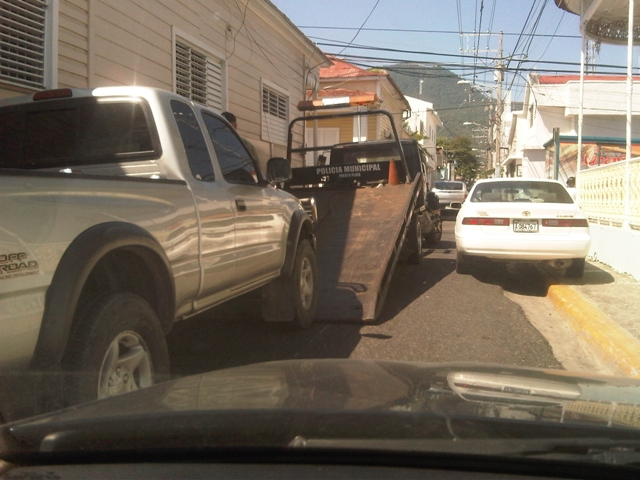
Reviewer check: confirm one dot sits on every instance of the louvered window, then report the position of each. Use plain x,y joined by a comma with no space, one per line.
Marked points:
275,114
22,42
199,77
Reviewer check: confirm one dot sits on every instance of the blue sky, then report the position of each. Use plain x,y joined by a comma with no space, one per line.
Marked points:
340,20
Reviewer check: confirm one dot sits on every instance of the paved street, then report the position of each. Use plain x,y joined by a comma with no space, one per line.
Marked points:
431,314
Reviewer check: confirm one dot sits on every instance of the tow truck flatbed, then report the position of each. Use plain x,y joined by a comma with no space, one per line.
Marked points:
367,219
360,233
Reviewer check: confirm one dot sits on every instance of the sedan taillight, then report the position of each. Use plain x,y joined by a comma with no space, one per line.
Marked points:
485,221
565,222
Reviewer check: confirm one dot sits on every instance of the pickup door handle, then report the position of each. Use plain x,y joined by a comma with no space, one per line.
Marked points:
241,206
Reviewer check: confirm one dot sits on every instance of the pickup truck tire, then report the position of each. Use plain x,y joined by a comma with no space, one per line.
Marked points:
414,241
291,300
117,347
305,284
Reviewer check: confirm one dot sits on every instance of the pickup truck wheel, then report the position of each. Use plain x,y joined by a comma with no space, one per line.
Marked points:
118,347
305,284
414,240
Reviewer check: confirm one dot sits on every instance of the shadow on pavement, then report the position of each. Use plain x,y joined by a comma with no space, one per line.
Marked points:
234,334
593,275
412,281
518,278
533,279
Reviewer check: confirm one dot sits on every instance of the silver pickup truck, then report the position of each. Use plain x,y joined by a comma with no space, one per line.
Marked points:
123,210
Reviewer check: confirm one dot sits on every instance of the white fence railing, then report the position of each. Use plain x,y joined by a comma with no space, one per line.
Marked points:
602,193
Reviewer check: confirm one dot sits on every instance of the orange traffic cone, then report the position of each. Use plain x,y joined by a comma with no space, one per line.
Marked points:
393,173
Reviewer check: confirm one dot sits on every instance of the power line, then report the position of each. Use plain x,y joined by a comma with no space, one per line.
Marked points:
452,32
416,52
361,26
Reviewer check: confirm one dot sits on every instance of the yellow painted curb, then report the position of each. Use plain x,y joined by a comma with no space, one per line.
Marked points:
616,346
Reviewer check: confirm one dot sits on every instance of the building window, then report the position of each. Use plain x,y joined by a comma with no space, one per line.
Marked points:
275,115
360,128
199,76
25,42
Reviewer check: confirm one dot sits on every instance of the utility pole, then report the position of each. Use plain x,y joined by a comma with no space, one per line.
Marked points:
498,121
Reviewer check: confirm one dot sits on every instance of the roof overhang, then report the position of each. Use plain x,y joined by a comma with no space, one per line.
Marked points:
511,160
596,140
604,20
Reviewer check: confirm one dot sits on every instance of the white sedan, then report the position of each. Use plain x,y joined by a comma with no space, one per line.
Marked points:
521,220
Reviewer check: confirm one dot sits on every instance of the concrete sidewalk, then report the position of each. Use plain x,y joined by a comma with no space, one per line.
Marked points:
603,308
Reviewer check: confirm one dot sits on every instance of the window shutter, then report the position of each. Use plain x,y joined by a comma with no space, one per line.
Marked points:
22,42
274,116
214,85
198,77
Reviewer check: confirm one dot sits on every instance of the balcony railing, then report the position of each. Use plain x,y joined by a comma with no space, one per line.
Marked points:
602,194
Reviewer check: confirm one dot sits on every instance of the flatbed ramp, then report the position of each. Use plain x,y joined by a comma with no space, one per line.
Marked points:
359,235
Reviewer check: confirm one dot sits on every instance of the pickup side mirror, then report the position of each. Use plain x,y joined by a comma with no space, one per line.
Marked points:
278,170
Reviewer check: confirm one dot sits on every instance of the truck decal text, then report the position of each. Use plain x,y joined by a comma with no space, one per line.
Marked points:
13,265
355,168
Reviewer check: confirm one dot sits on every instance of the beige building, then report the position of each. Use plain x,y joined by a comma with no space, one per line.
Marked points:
244,57
344,82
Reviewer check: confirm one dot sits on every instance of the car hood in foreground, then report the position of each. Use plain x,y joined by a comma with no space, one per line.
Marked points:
276,403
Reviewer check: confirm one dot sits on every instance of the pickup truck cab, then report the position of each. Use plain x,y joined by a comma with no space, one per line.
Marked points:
125,209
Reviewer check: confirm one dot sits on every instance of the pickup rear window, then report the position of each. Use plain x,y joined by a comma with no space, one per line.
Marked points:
74,132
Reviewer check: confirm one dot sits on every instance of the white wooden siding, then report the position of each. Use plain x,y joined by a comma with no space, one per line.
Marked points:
130,42
73,44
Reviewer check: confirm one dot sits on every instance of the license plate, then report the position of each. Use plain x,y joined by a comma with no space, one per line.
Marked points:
525,226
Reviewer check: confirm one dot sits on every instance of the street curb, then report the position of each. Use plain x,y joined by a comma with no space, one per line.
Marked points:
616,347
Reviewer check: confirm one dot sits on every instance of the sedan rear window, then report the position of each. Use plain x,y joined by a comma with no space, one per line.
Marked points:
75,132
525,191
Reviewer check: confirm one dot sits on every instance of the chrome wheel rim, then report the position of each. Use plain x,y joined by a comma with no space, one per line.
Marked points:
126,366
306,283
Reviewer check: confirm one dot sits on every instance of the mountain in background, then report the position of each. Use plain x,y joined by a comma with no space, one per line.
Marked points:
454,103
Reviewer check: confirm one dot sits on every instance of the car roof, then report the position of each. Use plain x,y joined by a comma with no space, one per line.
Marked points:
516,179
135,91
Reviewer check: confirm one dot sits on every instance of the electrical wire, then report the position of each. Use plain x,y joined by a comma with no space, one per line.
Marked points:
414,30
450,55
244,17
361,27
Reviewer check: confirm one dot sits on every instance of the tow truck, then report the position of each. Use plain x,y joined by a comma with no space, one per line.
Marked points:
372,208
